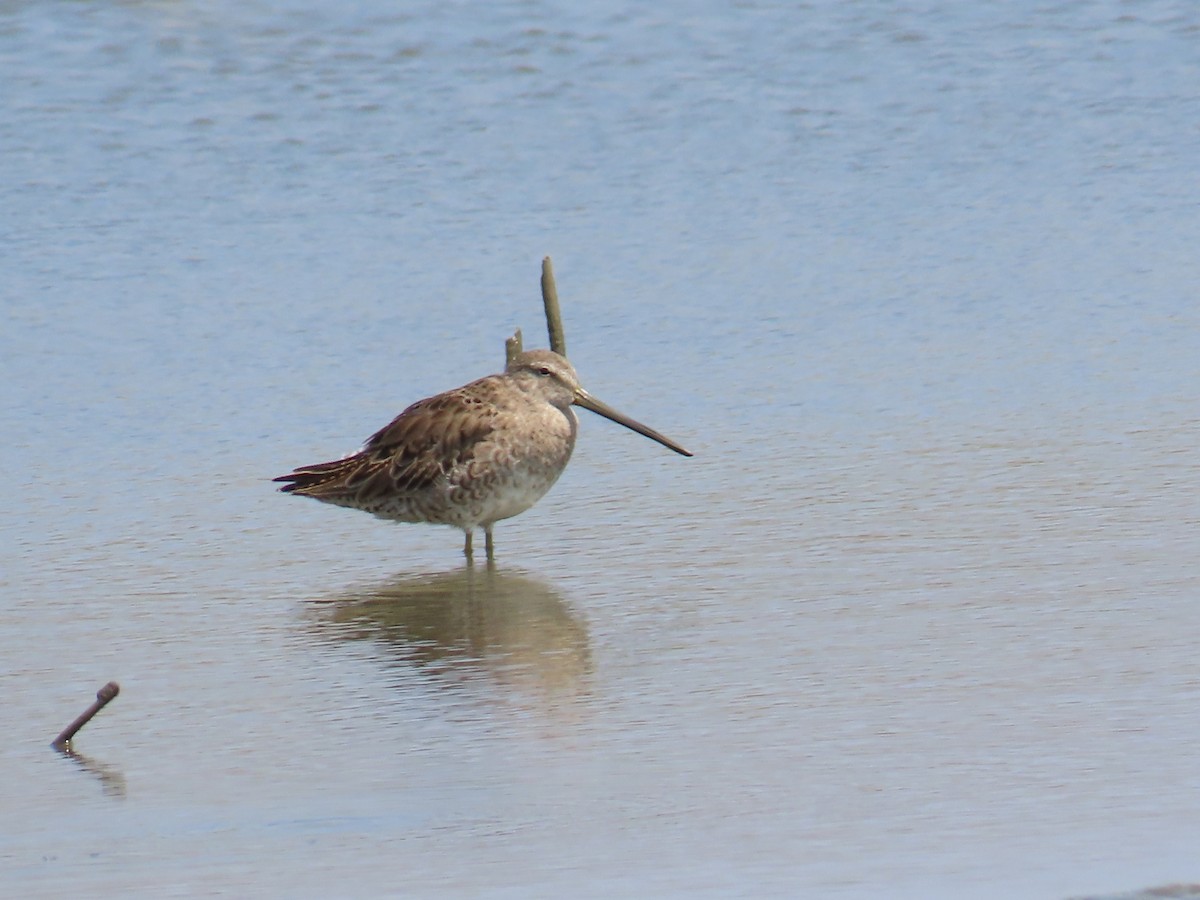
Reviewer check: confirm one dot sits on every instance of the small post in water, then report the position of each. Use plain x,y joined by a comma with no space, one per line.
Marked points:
512,348
103,696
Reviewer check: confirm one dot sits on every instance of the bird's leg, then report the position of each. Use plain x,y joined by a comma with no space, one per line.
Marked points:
468,552
489,543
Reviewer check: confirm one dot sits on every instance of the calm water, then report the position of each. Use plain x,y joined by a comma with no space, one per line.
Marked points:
916,284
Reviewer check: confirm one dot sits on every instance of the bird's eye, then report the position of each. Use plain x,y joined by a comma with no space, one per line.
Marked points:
543,370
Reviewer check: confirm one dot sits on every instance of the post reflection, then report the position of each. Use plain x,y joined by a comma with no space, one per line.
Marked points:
505,629
112,780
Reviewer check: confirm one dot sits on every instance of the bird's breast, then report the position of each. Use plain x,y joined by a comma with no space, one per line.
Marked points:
517,463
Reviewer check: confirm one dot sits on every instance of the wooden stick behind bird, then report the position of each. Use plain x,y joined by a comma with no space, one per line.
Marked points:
554,326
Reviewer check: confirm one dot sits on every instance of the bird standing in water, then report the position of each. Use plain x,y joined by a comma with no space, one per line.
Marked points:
470,457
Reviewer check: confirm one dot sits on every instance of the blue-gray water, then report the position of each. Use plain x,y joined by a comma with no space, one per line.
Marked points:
917,283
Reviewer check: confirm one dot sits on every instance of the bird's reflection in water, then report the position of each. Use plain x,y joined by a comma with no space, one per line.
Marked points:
507,630
112,780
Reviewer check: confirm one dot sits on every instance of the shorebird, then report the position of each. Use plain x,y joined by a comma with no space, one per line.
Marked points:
470,457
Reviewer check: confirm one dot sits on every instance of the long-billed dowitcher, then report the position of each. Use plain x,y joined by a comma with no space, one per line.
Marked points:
469,457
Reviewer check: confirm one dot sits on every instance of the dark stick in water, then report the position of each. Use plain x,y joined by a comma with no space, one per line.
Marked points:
103,696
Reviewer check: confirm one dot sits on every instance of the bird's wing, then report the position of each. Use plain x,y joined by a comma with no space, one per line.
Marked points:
414,450
428,439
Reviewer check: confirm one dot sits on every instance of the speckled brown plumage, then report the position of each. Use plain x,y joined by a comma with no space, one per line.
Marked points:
469,457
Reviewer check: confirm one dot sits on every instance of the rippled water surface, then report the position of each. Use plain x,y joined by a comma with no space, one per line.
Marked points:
916,284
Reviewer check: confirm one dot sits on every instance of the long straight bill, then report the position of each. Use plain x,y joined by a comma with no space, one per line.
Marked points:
587,401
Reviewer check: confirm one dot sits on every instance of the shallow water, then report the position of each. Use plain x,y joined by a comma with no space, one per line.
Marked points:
915,285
